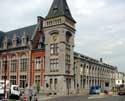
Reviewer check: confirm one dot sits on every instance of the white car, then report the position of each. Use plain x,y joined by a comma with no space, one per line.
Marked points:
2,83
14,91
11,91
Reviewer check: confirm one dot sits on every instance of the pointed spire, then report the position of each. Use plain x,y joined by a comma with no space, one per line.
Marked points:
59,8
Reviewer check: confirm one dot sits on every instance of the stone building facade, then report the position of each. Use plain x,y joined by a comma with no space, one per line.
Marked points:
59,29
120,79
91,72
44,54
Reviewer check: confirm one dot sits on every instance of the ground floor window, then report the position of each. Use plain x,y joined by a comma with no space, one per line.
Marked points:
3,77
13,80
23,81
55,83
68,83
51,81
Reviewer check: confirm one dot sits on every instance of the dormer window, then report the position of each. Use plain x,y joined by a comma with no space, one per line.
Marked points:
9,44
24,39
55,9
14,43
5,44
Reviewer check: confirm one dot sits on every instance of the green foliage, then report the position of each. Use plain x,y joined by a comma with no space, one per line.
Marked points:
37,87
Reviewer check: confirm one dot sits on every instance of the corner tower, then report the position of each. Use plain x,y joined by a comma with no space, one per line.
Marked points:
59,29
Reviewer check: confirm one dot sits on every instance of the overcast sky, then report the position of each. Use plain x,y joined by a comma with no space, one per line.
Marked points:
100,24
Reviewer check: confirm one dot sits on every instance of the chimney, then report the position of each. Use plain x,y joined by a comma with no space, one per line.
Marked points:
40,23
101,59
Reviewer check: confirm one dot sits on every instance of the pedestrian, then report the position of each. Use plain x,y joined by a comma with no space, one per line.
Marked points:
30,95
35,98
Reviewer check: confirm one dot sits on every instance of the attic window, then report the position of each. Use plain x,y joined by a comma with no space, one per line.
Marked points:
67,9
55,9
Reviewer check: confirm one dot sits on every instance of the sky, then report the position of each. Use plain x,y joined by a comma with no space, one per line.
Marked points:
100,28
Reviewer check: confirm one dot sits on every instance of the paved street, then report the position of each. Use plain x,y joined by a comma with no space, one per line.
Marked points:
90,98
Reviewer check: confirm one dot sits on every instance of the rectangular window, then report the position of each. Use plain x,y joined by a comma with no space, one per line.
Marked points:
37,79
3,77
54,65
13,66
38,61
55,83
51,82
4,65
13,80
54,49
67,68
23,64
23,80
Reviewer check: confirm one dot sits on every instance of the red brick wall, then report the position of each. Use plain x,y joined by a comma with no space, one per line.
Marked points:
38,53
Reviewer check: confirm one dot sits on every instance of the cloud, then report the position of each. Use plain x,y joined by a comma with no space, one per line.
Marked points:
100,24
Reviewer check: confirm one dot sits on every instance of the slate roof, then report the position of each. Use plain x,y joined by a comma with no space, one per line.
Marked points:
19,32
59,8
2,34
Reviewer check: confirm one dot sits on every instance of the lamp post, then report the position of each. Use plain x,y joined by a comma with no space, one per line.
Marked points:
5,77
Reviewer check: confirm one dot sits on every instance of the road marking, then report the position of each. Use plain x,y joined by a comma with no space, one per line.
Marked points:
96,97
115,95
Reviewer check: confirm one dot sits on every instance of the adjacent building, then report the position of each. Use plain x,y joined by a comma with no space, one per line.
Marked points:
44,54
91,72
120,79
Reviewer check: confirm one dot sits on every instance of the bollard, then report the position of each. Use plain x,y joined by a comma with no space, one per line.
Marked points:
24,98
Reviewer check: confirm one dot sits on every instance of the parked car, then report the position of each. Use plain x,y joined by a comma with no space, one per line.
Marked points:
95,90
11,90
2,83
14,91
121,91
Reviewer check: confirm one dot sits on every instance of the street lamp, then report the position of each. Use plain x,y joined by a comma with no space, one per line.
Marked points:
5,77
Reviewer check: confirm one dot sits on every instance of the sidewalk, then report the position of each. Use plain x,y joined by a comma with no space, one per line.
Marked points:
42,97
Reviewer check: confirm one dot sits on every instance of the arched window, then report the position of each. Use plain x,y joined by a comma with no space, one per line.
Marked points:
51,81
55,83
68,36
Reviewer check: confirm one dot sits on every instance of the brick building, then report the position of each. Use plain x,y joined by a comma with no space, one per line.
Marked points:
44,54
22,53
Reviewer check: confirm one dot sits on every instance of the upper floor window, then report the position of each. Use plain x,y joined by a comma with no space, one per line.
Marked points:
23,64
4,65
54,49
38,63
54,65
13,66
68,36
37,79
